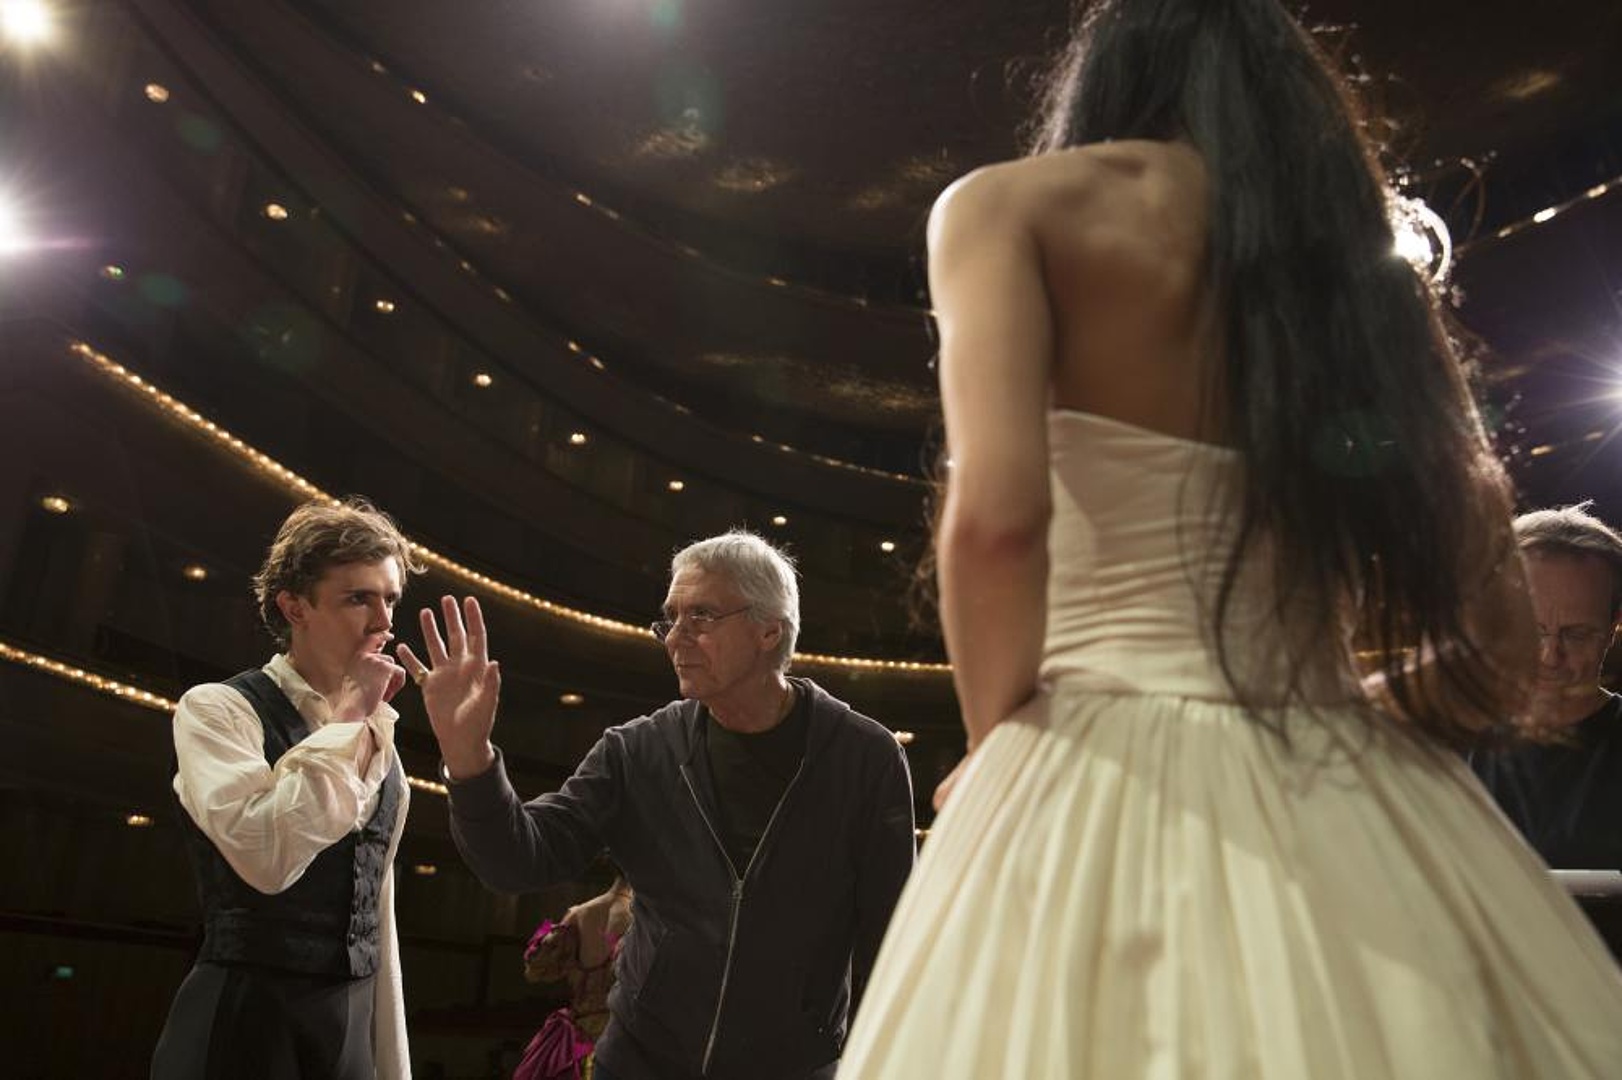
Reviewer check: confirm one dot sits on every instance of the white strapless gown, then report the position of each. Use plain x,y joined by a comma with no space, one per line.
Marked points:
1136,881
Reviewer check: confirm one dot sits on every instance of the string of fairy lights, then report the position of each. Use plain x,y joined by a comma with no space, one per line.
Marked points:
303,490
158,94
125,692
101,683
38,27
1544,216
156,702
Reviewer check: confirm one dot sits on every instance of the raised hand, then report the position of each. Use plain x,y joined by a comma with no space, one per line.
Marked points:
460,686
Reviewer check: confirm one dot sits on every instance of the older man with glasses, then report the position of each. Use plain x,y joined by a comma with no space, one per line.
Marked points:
1565,794
765,827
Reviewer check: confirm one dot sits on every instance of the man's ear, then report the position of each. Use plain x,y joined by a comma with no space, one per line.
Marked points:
294,608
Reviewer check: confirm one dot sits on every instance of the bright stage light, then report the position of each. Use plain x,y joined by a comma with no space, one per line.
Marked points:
1413,246
27,22
13,237
1421,238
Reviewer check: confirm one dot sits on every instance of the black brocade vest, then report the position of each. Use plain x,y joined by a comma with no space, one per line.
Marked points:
326,922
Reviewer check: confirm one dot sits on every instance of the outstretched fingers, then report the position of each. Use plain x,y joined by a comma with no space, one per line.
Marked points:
477,639
455,635
430,637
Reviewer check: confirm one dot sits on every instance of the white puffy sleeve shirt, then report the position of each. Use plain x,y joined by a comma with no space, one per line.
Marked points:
271,823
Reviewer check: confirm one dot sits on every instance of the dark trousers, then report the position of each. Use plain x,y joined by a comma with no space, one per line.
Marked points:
242,1023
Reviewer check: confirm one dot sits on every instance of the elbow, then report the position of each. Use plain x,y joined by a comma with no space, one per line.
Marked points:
998,535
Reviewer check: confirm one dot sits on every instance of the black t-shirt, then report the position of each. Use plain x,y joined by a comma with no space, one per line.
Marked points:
751,772
1566,799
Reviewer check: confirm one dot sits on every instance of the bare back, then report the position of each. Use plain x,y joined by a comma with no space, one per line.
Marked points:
1122,230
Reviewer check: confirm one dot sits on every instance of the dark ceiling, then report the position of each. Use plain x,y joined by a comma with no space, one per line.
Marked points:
563,285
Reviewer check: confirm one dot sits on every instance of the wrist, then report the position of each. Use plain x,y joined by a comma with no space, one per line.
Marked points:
458,767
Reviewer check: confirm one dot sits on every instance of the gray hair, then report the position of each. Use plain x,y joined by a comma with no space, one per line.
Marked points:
761,572
1573,531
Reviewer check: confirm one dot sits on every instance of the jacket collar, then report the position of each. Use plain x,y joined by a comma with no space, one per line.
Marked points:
826,712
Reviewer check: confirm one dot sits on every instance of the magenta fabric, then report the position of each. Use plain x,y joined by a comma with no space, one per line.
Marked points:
556,1051
535,939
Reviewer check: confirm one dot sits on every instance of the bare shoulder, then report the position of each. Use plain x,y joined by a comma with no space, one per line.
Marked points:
1130,185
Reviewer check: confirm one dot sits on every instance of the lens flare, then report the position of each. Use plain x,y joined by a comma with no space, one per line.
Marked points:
26,22
1421,238
14,237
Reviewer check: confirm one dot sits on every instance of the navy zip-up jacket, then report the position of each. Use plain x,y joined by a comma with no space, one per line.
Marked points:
728,973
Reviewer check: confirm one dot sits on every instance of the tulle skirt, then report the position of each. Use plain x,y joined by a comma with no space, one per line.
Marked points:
1141,887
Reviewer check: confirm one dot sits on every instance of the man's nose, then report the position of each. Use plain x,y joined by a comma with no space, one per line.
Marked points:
382,615
1549,651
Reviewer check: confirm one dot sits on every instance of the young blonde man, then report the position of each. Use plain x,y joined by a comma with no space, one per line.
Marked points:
293,802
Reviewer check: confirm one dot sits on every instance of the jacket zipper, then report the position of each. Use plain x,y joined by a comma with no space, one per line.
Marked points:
737,898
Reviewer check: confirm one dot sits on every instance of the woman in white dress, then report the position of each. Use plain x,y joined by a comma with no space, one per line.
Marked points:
1225,575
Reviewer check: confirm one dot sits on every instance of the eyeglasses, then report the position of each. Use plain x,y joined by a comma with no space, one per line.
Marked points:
1570,637
697,622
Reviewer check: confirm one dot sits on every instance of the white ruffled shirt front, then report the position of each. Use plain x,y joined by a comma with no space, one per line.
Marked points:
271,823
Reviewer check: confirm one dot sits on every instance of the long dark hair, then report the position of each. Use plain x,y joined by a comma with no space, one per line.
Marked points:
1368,471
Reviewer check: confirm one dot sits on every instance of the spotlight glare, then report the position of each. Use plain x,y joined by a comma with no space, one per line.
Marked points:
779,520
26,22
676,485
13,237
571,698
483,379
157,93
887,546
275,211
384,307
577,438
1413,246
1546,214
1421,238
